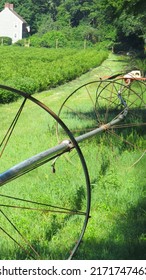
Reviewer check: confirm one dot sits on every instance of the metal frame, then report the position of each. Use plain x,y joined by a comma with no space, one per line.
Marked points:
52,153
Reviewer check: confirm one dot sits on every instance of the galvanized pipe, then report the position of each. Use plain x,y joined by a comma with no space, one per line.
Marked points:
41,158
29,164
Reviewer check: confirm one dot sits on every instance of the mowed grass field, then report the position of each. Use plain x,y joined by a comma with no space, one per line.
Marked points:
117,227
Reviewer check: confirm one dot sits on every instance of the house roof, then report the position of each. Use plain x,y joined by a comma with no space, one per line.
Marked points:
23,20
10,8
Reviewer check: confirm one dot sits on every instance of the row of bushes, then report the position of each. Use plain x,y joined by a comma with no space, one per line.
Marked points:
34,70
68,37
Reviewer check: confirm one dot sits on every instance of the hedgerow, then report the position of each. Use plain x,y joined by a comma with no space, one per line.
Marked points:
37,69
5,41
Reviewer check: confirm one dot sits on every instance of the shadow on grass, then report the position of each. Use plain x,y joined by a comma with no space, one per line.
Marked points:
135,118
126,241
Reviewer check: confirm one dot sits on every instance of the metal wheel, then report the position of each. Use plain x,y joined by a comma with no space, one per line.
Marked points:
43,215
114,107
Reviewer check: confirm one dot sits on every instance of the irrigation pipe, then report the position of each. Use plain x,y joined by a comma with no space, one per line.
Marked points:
45,156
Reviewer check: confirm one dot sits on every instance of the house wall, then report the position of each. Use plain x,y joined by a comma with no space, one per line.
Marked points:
10,25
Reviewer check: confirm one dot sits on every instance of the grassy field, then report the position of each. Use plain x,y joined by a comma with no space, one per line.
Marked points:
117,227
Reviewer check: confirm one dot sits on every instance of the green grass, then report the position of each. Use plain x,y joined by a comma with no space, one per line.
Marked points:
117,227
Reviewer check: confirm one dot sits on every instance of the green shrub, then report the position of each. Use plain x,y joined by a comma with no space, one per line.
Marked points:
20,43
35,41
36,69
6,41
7,96
53,39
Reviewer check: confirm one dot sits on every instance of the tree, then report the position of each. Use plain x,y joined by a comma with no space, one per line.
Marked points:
130,25
115,20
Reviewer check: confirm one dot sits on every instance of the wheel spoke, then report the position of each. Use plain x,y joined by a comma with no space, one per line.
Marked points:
9,132
19,233
57,209
36,220
107,98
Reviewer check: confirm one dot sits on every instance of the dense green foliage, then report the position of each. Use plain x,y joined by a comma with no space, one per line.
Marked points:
117,20
33,69
5,41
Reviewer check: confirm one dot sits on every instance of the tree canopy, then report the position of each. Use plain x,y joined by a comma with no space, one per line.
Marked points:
117,20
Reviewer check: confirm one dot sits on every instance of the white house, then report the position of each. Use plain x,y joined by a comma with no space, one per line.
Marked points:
11,24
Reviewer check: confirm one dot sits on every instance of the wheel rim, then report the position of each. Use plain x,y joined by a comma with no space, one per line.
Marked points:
105,100
32,248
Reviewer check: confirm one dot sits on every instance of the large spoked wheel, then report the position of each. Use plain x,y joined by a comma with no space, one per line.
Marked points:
115,106
42,215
